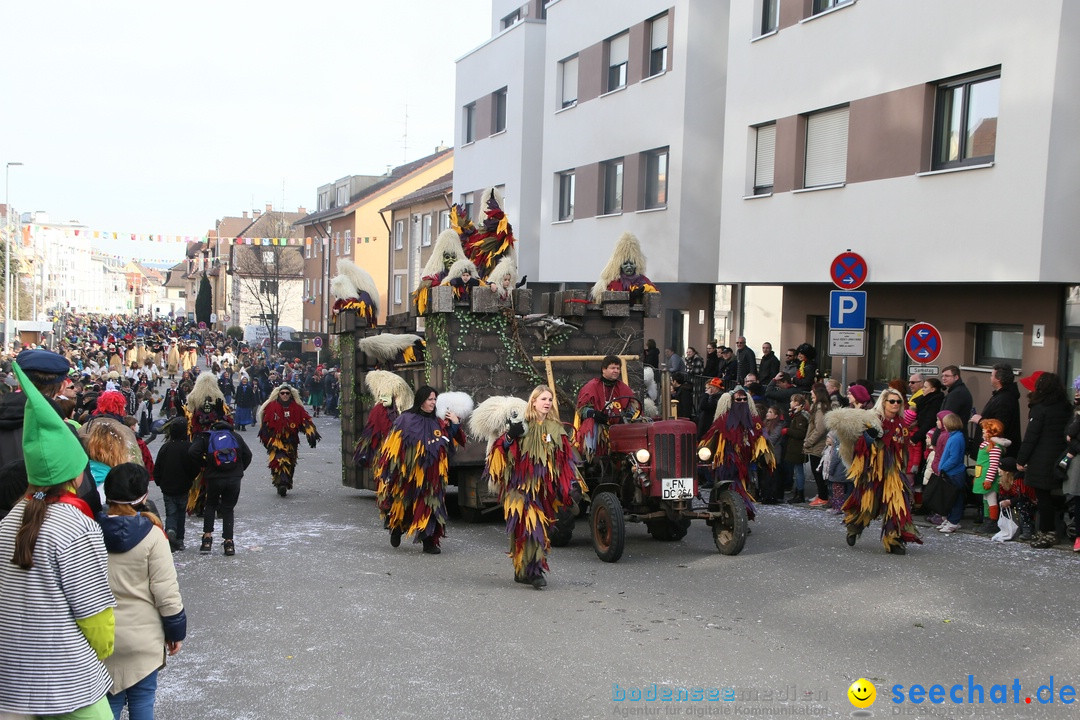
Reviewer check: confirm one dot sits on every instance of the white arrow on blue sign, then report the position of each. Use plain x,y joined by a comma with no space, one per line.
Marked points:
847,310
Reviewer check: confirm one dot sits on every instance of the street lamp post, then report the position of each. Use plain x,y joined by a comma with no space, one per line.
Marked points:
7,254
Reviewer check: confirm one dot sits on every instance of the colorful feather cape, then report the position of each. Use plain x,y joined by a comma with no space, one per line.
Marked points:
413,465
494,239
734,449
535,474
379,421
363,305
880,487
280,433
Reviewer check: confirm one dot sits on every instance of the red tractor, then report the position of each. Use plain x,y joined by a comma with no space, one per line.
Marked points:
651,476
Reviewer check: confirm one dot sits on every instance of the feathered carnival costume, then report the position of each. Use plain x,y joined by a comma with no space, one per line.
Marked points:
413,465
279,432
444,254
736,440
455,278
504,277
388,348
624,271
355,289
600,403
875,452
205,406
534,468
495,237
392,397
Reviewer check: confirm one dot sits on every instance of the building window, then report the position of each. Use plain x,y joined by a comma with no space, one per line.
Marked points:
566,196
399,234
965,121
397,289
568,82
764,159
999,344
511,19
658,49
348,243
886,360
268,257
425,231
656,172
826,148
444,220
613,186
498,111
469,123
770,16
307,250
268,287
467,201
307,287
618,52
343,196
337,239
821,6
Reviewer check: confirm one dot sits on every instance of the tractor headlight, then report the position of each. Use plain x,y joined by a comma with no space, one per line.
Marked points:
642,456
704,454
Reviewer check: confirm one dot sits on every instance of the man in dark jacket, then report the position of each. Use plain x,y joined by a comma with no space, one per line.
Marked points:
1004,405
745,359
706,409
729,367
958,398
712,361
769,366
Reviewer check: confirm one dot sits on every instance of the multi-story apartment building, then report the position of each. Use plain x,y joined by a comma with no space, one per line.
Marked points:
415,221
599,118
749,143
935,140
348,224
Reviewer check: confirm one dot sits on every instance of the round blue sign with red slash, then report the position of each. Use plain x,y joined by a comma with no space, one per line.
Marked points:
317,342
848,270
922,342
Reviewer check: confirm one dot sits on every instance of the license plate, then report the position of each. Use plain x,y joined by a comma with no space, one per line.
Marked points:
677,488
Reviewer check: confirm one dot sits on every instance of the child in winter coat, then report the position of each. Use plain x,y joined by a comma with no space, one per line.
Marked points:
150,619
986,471
835,473
174,473
935,443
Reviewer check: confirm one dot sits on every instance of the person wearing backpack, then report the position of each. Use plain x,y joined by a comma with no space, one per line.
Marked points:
224,456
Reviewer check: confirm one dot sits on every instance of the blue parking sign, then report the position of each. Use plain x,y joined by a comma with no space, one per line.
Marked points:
847,310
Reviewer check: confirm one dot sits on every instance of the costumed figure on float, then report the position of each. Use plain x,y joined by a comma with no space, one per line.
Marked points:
355,289
281,420
392,397
493,240
737,441
873,445
414,465
625,271
388,349
444,254
462,278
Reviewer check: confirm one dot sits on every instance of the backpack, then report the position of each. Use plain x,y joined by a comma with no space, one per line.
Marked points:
223,451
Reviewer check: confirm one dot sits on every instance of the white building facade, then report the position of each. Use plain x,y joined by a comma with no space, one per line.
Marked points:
935,140
598,118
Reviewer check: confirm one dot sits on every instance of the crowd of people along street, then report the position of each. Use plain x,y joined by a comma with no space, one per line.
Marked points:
75,469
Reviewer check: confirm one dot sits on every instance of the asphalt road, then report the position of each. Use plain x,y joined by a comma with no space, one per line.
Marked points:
318,617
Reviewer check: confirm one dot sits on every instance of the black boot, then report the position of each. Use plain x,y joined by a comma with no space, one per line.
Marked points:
431,547
395,538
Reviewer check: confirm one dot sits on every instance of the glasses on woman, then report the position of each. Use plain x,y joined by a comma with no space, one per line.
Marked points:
892,401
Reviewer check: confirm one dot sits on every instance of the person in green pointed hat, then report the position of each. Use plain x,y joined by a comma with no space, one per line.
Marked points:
53,569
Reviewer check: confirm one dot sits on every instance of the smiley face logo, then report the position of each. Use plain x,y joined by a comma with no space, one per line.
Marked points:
862,693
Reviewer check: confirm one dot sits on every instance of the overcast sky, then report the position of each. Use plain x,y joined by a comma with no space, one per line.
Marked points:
148,117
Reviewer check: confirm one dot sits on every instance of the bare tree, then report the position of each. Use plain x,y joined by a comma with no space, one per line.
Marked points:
270,275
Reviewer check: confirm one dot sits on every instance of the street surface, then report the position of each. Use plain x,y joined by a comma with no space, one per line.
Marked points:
318,617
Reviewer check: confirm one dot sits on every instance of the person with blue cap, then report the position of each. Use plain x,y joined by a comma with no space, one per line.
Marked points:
57,576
